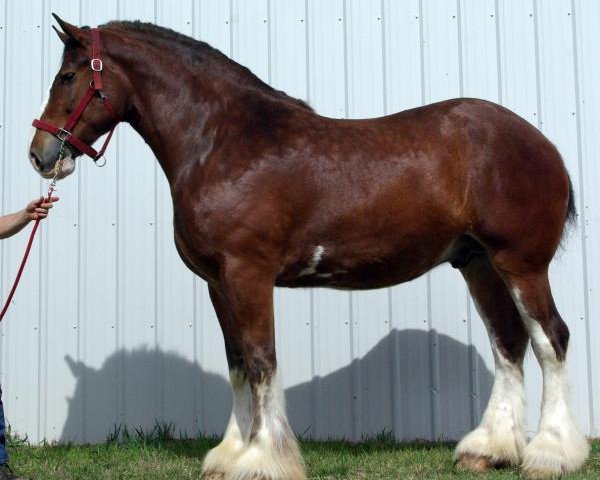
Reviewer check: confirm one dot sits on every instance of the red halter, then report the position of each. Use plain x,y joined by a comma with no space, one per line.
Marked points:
64,133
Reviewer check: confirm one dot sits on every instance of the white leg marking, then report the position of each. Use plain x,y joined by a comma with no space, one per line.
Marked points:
311,269
238,430
499,437
259,443
558,447
273,452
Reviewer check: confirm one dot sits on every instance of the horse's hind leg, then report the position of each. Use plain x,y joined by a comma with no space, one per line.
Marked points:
259,443
499,439
558,447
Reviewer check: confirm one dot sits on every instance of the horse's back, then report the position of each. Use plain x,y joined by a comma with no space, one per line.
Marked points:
396,195
374,202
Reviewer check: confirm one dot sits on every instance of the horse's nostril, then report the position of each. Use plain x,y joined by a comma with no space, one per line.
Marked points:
36,160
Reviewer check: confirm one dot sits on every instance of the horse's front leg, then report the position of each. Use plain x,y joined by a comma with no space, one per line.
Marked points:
258,443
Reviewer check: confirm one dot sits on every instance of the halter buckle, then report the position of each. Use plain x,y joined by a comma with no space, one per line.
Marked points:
63,135
96,64
97,160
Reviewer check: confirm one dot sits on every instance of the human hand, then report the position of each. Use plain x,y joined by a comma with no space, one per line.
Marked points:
38,209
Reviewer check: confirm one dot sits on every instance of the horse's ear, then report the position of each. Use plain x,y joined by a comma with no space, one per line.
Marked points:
71,32
63,36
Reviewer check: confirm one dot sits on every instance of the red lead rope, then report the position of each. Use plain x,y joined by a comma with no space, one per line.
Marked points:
24,261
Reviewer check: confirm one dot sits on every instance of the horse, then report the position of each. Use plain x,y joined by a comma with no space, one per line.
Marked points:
268,193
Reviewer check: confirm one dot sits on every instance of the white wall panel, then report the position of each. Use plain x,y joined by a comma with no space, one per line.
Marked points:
96,370
24,92
109,327
558,120
587,74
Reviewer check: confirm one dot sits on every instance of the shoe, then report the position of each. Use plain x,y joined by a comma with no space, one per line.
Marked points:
7,474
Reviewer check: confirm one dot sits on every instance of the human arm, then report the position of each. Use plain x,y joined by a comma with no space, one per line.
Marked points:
14,222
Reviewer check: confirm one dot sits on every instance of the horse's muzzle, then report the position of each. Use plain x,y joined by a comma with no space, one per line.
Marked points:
43,159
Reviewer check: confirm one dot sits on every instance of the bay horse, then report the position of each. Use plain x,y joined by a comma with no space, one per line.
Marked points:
267,193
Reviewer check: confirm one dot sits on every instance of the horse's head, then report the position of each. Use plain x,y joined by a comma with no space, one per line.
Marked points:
59,124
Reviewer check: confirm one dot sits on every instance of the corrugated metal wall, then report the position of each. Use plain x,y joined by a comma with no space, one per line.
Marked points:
109,327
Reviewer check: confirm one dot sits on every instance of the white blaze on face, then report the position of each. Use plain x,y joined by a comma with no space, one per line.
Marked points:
68,163
42,110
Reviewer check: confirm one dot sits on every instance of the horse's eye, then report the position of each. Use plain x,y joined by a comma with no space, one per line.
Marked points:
67,77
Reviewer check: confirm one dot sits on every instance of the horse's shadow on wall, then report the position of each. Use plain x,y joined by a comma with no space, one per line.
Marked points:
414,383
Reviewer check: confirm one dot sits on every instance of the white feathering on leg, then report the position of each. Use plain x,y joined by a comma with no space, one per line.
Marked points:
499,437
558,447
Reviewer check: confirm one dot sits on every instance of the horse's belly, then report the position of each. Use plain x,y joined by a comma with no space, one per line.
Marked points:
364,270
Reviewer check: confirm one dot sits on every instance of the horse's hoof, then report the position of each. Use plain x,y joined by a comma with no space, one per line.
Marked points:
473,463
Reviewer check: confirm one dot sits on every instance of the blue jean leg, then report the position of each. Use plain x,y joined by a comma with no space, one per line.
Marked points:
3,452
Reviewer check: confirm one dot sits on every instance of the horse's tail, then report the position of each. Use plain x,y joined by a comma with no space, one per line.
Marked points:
571,216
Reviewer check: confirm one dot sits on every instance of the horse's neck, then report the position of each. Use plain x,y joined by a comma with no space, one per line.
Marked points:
176,109
171,113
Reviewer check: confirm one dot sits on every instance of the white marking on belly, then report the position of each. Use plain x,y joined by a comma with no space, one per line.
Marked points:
315,260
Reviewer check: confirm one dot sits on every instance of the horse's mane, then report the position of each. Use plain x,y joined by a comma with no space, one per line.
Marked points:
201,51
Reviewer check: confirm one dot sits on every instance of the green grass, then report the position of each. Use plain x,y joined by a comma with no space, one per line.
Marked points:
155,454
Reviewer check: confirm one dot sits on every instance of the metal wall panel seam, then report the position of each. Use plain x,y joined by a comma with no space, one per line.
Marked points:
269,43
536,34
582,215
158,267
38,281
6,194
43,262
231,30
3,270
313,318
313,368
395,413
384,96
307,55
3,246
195,296
472,361
395,393
81,274
199,424
119,391
355,372
433,409
498,50
159,400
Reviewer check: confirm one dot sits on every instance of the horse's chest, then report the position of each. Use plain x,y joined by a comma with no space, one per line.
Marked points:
195,251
